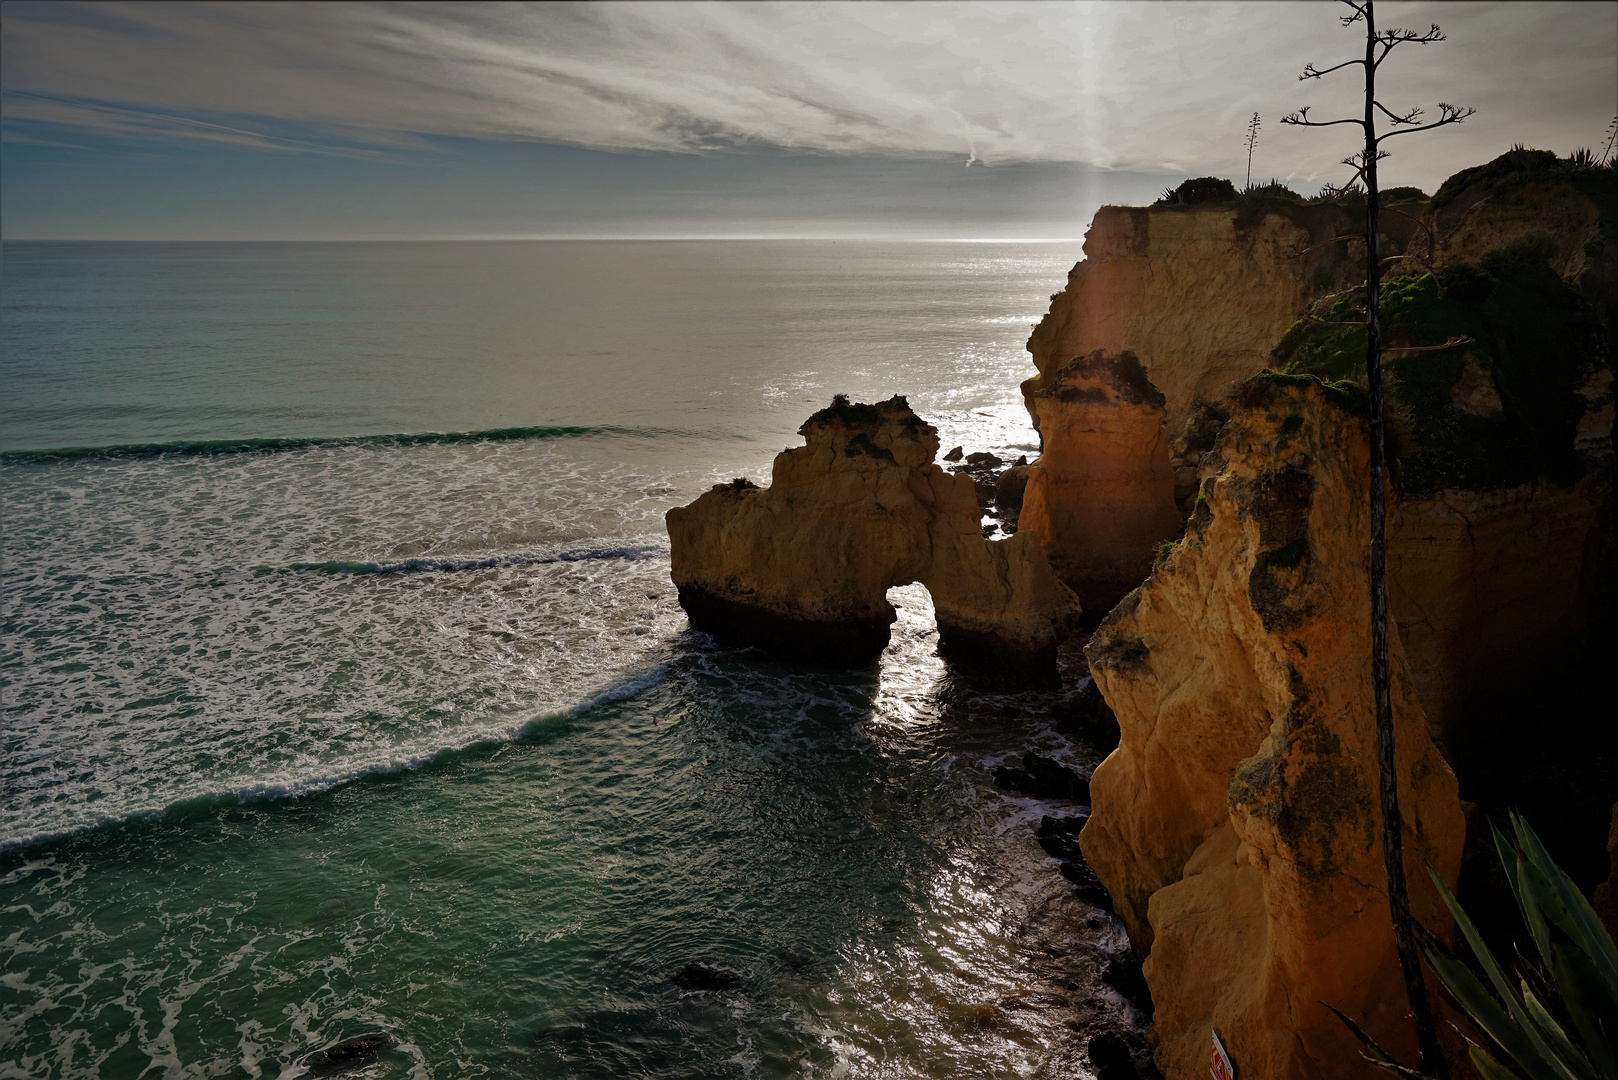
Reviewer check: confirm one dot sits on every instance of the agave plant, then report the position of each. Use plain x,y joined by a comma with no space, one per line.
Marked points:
1558,1019
1582,159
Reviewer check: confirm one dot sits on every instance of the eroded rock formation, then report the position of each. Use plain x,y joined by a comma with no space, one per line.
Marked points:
1100,505
803,567
1237,824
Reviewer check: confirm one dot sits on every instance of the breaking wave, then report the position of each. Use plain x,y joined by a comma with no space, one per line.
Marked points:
214,447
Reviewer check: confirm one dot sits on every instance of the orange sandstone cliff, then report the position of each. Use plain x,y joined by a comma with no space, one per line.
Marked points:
803,567
1486,580
1110,493
1237,824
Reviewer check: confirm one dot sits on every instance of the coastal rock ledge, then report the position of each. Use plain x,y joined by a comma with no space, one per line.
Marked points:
802,568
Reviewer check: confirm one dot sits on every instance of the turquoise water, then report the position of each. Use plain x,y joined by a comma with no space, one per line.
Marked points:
321,722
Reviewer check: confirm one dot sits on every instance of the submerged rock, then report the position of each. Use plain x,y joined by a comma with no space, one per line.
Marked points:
1088,716
1042,778
1126,977
1087,885
1060,836
802,568
700,976
349,1054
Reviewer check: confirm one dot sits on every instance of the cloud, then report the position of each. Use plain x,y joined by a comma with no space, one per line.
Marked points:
112,121
1143,86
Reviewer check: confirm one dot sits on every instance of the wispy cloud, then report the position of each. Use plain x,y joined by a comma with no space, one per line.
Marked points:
1158,86
29,110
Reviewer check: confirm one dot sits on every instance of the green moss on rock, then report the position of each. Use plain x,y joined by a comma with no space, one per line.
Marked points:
1524,326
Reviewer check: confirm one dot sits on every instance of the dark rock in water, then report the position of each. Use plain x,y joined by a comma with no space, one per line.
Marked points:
1088,716
984,484
1043,778
1060,836
1126,977
1110,1058
1087,885
349,1054
1009,488
700,976
1022,459
954,455
983,461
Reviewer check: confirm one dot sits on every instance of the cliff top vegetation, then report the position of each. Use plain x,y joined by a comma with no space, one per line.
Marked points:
1497,410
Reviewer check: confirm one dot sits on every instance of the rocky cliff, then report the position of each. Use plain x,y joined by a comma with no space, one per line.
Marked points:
1237,824
1202,294
803,567
1110,492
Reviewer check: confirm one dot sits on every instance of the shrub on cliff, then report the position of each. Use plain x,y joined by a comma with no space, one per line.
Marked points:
1272,190
1530,339
1402,195
1521,254
1199,190
1520,165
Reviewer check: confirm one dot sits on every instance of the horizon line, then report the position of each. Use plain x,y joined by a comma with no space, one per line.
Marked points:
583,238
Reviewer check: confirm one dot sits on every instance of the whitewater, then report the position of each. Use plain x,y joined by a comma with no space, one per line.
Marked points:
345,688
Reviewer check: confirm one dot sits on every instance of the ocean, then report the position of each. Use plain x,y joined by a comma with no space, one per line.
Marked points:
345,689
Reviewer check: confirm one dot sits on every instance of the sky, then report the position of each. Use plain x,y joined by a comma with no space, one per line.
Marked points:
358,120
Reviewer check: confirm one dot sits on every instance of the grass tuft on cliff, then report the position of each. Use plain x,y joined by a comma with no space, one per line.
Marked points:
1514,416
1197,191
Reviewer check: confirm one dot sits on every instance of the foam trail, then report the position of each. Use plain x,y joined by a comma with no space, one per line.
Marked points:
213,447
401,759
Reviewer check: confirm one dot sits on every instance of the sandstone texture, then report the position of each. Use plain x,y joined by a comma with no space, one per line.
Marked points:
1103,503
803,567
1199,294
1195,297
1237,825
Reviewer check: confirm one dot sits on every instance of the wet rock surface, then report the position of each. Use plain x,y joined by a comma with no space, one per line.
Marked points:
1112,1059
1043,778
1087,714
1060,836
1126,977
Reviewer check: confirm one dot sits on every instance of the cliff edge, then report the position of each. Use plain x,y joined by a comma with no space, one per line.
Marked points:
1237,825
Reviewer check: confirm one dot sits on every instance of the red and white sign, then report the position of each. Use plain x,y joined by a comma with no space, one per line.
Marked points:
1219,1066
